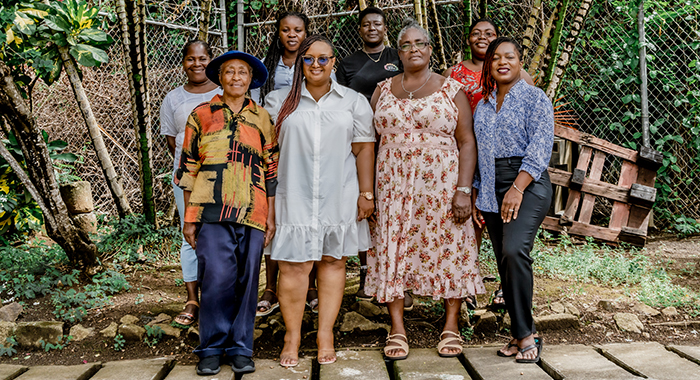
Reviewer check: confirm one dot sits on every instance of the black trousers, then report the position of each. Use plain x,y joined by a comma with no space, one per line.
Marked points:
512,242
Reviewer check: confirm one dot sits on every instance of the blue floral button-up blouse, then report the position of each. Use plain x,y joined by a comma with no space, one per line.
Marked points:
524,127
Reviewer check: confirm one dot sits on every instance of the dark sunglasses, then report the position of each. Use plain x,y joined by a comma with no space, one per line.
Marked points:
309,60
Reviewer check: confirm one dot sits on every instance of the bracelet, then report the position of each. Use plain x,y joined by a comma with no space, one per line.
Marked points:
516,188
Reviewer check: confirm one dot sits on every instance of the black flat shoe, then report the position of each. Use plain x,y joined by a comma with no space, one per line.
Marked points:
209,366
242,364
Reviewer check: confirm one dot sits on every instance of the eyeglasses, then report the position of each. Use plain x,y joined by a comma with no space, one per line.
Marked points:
486,34
322,60
418,45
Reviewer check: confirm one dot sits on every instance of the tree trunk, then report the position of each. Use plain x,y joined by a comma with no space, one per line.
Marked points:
81,251
113,181
204,19
439,45
531,23
132,15
482,8
542,46
467,24
565,58
555,43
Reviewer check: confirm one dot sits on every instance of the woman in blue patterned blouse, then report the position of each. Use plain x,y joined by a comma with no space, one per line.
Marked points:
514,129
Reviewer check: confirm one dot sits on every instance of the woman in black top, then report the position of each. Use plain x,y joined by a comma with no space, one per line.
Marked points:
362,70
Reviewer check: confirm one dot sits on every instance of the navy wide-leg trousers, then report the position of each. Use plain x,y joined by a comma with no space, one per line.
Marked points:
228,257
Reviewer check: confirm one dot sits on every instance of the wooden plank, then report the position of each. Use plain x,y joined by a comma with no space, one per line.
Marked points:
621,211
572,202
586,140
589,199
599,188
641,194
583,229
639,215
650,158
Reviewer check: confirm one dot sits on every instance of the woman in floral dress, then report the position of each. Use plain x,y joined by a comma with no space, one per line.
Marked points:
424,241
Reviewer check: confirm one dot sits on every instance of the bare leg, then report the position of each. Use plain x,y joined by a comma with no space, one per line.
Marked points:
293,282
312,293
452,307
397,326
331,285
270,293
191,309
363,272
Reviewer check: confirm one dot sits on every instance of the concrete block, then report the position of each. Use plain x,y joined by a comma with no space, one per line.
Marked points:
650,360
60,372
425,364
488,365
556,322
356,365
149,369
266,369
579,362
9,371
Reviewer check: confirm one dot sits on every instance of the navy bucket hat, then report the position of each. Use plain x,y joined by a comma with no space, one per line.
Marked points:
259,70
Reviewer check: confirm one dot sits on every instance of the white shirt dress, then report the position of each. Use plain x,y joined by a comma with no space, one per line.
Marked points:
317,191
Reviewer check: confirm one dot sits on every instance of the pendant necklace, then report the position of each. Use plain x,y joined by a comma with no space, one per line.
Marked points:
372,59
410,93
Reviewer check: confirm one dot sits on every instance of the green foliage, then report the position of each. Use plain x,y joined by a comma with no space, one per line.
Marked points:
621,266
31,271
179,282
131,240
8,348
153,335
33,31
685,226
119,342
19,213
58,346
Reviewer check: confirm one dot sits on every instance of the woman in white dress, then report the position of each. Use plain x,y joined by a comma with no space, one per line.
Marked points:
326,162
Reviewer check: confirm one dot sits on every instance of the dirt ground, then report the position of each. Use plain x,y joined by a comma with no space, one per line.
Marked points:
155,291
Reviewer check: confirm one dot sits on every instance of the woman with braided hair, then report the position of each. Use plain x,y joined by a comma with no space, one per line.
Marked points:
291,30
514,128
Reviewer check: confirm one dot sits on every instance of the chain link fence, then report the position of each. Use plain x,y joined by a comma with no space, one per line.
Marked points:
170,25
601,86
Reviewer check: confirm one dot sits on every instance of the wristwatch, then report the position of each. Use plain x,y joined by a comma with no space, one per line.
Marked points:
465,189
367,195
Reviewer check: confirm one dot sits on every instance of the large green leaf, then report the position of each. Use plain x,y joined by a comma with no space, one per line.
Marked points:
87,55
67,157
57,23
24,23
93,34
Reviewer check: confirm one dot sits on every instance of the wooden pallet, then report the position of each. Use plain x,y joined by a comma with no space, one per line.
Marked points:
632,196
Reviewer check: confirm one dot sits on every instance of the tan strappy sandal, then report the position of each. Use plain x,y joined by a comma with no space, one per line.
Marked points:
446,343
402,345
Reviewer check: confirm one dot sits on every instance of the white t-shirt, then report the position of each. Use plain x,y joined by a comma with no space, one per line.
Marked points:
176,108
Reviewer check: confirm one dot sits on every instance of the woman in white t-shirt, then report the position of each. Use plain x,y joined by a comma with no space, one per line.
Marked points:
176,108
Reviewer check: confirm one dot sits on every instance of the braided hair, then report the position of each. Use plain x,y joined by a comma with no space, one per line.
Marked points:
275,51
291,102
488,84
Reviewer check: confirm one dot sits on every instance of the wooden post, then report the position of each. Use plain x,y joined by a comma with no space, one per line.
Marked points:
644,95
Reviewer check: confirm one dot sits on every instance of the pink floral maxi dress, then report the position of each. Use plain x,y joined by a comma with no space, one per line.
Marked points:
418,246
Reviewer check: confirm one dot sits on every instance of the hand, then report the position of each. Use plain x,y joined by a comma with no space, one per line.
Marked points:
270,229
511,205
461,207
365,208
190,232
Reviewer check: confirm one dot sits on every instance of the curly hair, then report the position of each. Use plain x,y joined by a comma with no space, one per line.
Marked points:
275,51
487,82
190,43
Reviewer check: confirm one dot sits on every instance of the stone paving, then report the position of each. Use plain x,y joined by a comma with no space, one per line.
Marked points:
609,361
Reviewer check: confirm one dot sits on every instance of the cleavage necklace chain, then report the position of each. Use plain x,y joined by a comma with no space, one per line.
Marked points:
410,93
372,59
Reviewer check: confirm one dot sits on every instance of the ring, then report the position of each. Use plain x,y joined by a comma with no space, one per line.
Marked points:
512,209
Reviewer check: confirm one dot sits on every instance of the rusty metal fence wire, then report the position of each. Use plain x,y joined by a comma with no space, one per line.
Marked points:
601,87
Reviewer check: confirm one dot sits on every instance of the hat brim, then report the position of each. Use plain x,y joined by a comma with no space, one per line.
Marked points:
259,69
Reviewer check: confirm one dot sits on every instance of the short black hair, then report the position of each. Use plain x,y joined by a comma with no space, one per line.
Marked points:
186,48
485,19
369,11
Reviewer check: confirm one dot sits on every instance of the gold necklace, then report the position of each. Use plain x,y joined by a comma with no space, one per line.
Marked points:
410,93
372,59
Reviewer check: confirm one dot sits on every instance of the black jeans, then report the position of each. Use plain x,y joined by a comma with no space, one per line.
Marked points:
512,242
